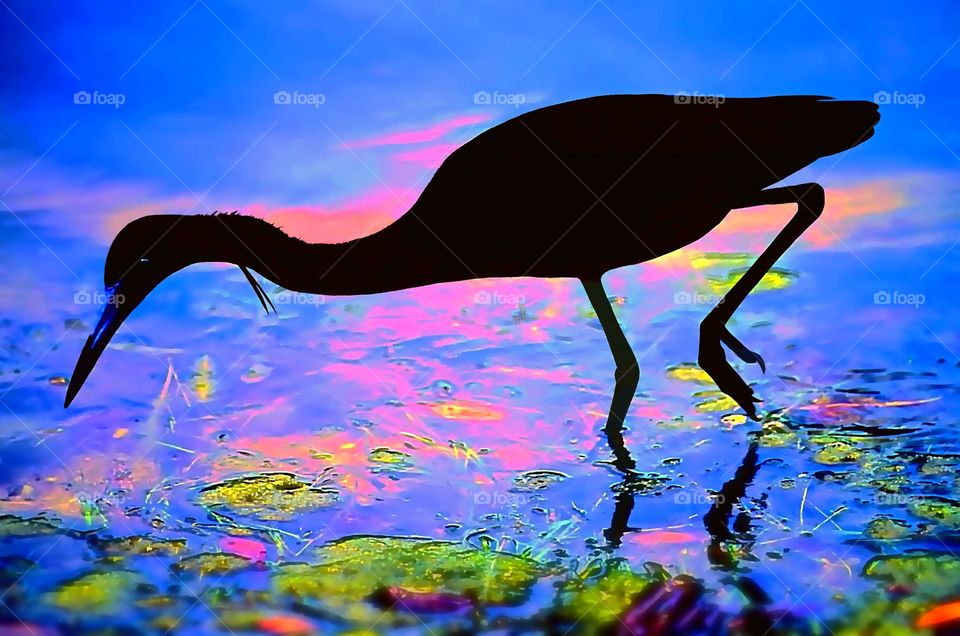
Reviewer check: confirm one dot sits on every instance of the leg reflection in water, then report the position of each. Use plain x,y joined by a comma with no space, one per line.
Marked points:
716,520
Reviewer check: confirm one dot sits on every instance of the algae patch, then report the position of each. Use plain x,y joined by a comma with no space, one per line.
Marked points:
141,545
598,601
268,496
94,592
13,526
204,564
355,568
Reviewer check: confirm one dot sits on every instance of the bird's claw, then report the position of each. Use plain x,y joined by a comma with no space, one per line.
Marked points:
740,350
714,362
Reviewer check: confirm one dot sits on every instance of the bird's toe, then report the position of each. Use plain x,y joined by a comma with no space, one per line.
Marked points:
740,350
727,380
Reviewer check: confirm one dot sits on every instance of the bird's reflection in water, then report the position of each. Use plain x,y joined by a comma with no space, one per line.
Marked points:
717,519
684,601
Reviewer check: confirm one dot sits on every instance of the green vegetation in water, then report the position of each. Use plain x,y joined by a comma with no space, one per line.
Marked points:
726,259
835,450
945,512
775,434
140,545
776,278
689,372
13,526
95,592
268,496
356,568
715,402
389,460
206,563
887,529
598,596
928,574
910,584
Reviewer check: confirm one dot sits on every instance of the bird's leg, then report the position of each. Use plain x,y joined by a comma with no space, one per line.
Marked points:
626,377
809,198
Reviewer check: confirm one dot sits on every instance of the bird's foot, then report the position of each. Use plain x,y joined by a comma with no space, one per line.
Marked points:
713,360
740,350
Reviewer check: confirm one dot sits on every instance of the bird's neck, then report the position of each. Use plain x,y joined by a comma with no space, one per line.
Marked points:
367,265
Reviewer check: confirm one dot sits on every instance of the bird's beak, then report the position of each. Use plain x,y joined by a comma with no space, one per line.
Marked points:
112,316
122,298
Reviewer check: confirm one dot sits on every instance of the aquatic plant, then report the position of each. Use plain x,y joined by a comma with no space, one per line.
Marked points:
360,568
268,496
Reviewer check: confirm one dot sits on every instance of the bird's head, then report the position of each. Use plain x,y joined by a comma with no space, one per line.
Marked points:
143,254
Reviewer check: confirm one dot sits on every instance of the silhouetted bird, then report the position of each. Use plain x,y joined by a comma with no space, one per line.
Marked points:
570,190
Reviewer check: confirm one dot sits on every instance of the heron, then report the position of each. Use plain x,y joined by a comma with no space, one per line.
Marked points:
571,190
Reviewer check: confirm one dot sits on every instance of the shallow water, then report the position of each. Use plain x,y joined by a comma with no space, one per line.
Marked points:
472,413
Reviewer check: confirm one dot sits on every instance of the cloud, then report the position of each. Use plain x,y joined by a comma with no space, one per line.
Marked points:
847,208
418,136
429,157
360,215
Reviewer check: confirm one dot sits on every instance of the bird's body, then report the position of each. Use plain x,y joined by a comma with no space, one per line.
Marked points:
570,190
583,187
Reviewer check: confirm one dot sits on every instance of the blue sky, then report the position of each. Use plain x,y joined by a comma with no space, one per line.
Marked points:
198,79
